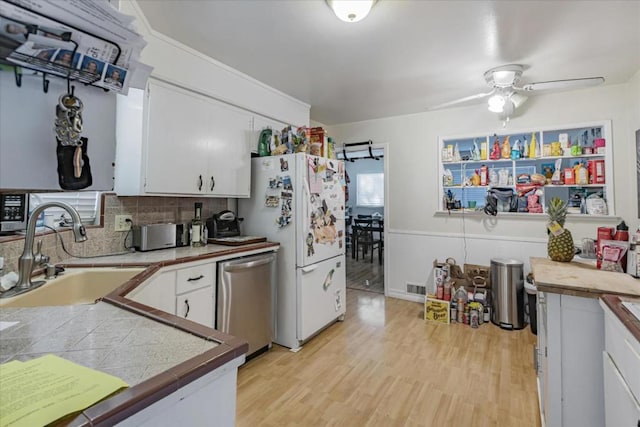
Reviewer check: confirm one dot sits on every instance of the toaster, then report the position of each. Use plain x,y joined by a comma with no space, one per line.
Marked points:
154,236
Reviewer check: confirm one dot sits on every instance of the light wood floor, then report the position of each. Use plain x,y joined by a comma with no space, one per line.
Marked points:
385,366
365,275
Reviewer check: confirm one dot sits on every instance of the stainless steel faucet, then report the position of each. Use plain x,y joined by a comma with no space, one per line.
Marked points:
27,259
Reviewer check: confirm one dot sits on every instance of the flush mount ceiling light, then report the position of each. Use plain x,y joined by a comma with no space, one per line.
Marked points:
351,10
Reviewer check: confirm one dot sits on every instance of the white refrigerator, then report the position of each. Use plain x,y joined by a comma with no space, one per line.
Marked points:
298,201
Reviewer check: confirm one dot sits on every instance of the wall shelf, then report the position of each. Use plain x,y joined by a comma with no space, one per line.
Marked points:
583,134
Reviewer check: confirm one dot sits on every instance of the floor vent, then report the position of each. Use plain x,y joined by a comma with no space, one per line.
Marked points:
415,288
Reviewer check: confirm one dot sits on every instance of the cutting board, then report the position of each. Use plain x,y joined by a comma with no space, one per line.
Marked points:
237,240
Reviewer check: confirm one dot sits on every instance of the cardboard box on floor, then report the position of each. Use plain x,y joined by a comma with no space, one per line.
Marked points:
474,274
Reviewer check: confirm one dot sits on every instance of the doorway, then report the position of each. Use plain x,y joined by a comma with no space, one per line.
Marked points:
365,218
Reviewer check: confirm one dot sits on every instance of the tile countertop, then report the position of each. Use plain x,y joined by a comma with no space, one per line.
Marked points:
574,278
153,351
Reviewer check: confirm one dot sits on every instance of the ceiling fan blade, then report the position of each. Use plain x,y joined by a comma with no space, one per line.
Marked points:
564,84
460,101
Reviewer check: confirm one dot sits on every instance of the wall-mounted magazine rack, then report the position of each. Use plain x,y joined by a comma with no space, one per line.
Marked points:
53,68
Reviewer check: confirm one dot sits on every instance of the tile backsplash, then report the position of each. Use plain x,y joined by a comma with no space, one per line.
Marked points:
103,240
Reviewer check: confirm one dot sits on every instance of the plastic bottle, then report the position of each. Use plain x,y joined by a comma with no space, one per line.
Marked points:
533,147
622,234
515,151
506,148
525,148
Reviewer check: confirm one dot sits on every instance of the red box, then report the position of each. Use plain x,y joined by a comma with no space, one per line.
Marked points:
596,171
569,176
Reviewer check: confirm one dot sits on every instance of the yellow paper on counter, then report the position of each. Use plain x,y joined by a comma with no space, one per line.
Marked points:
43,390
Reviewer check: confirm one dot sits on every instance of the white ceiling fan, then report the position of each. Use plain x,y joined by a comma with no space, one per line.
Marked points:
506,94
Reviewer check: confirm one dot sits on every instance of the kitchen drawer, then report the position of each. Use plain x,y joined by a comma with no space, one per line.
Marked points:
624,350
621,408
195,277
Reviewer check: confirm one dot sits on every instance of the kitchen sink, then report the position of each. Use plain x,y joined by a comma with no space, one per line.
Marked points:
74,286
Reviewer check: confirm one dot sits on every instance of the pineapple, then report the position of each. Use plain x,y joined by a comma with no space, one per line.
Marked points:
559,248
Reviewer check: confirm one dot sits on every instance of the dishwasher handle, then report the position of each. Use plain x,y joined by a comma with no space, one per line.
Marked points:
248,264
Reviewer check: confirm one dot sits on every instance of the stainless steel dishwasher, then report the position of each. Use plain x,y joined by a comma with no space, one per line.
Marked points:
246,298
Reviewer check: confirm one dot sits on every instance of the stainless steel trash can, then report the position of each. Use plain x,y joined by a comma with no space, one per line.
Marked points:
507,292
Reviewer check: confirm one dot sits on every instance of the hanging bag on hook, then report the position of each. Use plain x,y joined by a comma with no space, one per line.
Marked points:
74,169
501,200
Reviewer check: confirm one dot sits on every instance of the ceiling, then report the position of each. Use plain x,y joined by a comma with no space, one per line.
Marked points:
406,55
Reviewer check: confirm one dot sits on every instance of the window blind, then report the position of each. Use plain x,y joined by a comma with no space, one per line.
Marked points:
87,203
370,189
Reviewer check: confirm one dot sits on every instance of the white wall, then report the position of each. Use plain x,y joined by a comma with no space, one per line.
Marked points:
416,236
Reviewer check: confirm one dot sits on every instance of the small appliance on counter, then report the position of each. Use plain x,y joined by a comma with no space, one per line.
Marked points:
224,229
154,236
224,224
14,210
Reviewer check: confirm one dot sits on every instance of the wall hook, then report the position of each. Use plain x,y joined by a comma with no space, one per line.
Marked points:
45,83
18,76
70,88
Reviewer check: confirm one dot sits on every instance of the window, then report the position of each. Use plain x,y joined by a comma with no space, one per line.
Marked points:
370,190
87,203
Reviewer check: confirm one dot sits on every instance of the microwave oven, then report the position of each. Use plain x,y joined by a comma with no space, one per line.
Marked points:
14,209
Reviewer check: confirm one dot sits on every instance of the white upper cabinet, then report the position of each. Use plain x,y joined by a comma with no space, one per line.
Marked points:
176,142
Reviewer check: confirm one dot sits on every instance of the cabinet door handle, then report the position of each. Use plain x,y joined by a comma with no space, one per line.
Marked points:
186,313
193,279
199,182
213,183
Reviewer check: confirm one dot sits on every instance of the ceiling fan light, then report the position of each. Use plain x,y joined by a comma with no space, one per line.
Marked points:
351,10
517,99
496,103
503,78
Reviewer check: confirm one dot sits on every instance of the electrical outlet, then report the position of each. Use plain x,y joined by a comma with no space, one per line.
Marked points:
122,224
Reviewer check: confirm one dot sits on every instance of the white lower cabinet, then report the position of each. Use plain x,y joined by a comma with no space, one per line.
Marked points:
158,292
621,366
621,407
187,291
197,306
570,373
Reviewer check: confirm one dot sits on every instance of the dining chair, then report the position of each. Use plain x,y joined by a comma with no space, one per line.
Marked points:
365,231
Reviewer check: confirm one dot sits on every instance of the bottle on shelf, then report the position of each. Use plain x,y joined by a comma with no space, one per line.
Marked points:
456,154
515,151
197,226
475,153
483,150
506,148
525,148
495,151
534,149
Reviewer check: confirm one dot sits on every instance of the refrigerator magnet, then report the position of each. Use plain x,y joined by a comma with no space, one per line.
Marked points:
284,165
309,242
286,183
267,164
272,201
